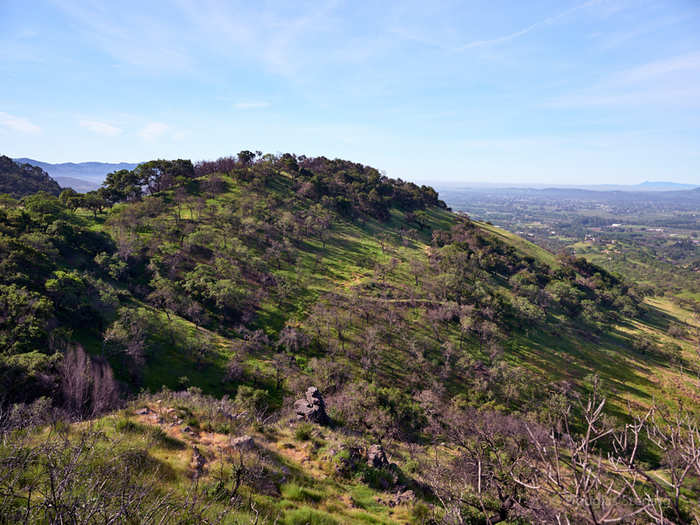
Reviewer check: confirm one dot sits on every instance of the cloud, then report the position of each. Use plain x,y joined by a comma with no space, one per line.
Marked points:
19,124
659,68
154,130
136,37
283,39
669,82
100,128
251,105
512,36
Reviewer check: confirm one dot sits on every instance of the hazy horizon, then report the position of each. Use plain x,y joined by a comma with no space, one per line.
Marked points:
566,93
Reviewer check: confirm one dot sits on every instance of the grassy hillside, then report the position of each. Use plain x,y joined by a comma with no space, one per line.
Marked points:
255,277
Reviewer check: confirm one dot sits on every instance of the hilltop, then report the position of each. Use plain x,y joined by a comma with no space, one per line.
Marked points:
18,180
254,277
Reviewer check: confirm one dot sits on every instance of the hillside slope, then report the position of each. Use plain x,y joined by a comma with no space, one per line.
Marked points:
255,277
18,180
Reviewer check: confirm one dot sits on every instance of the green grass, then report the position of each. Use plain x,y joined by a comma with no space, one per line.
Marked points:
294,492
308,516
523,246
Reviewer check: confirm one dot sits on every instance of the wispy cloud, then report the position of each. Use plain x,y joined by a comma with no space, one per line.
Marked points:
528,29
133,37
283,39
659,68
154,130
251,105
19,124
100,128
669,82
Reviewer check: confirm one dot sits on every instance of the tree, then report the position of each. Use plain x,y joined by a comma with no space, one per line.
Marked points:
88,386
160,175
94,201
70,198
246,157
597,476
122,185
292,339
24,320
479,481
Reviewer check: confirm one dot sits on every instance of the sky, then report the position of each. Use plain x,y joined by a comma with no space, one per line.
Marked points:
554,92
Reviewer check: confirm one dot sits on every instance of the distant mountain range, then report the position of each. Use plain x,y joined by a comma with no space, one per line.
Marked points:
663,185
81,176
87,176
644,186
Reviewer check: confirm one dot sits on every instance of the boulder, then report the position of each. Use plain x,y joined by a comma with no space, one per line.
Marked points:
312,408
405,498
142,411
243,443
313,396
376,457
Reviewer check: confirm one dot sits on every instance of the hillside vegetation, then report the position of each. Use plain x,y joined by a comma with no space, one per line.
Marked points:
224,289
18,180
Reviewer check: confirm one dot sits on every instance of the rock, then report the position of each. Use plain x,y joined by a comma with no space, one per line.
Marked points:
376,457
243,443
404,498
142,411
312,408
198,461
314,396
187,430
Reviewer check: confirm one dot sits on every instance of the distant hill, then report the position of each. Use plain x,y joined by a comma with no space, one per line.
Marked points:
19,179
648,186
79,185
685,199
81,176
664,185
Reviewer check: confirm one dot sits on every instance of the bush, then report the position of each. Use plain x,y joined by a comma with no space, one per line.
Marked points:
252,397
303,432
379,479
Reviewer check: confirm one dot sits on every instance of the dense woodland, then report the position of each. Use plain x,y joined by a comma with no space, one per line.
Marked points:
225,288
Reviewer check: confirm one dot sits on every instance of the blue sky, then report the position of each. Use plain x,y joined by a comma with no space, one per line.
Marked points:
558,92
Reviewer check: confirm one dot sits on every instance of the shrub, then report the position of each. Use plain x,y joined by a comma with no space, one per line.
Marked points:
303,432
125,425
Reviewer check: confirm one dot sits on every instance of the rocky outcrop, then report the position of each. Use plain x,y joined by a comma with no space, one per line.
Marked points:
402,497
243,443
376,457
312,407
